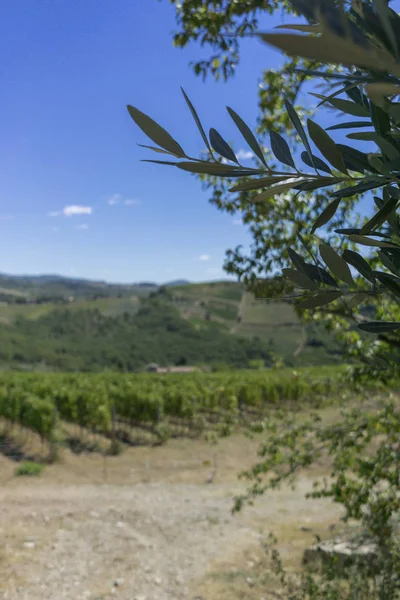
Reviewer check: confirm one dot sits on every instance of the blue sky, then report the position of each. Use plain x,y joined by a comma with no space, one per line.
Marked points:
74,198
68,69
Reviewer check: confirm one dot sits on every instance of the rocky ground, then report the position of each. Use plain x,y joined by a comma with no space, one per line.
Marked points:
135,534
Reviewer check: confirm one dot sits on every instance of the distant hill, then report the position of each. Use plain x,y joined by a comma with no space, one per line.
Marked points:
222,307
176,282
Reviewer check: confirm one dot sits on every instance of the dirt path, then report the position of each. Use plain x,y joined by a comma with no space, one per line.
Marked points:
142,541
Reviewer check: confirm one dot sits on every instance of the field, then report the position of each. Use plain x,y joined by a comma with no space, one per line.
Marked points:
137,504
148,407
222,306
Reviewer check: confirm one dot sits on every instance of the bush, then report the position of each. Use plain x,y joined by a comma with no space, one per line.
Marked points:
29,468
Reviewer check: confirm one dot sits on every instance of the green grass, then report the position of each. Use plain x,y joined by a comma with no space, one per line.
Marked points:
29,469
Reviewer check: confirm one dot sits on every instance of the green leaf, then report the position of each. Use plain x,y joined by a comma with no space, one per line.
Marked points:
354,159
359,263
278,189
349,230
357,299
379,326
303,28
299,279
381,216
380,120
326,215
197,121
346,106
330,48
294,117
316,163
391,282
221,146
247,134
383,12
366,241
394,192
155,132
319,274
315,184
258,184
387,148
319,300
326,146
311,271
281,150
155,149
296,259
350,125
210,168
161,162
336,264
387,262
360,188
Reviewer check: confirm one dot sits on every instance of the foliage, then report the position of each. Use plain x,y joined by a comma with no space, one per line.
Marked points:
169,329
361,41
39,401
29,468
88,340
363,452
371,89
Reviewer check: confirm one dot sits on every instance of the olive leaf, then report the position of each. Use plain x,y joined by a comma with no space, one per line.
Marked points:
258,184
366,241
336,264
247,134
357,299
278,189
381,216
379,326
349,125
281,150
221,146
330,48
346,106
319,300
359,263
316,162
391,282
299,278
155,132
197,121
294,117
326,146
326,215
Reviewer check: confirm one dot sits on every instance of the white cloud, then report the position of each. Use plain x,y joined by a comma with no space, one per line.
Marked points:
75,209
204,257
55,229
83,226
237,221
114,199
244,154
214,271
131,202
54,213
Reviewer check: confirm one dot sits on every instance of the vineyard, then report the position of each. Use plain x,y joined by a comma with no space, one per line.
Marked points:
127,406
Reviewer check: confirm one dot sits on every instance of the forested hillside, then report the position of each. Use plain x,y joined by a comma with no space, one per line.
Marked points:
216,324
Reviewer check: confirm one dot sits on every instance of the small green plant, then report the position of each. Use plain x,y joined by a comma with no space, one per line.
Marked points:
115,449
29,468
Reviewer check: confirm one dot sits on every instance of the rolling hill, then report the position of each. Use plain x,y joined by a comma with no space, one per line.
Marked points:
224,308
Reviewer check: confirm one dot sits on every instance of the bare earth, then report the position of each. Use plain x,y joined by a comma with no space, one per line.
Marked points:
144,526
